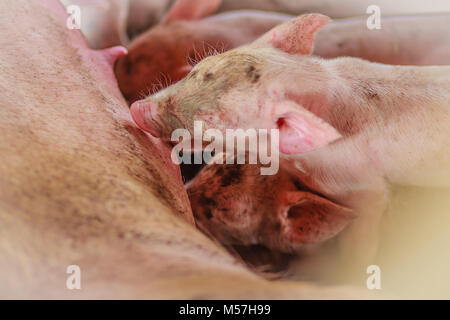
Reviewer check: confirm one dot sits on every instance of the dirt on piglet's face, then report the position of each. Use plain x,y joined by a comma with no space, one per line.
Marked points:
237,205
239,89
221,91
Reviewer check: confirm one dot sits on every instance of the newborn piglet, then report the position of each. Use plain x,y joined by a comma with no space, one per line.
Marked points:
350,127
167,52
239,206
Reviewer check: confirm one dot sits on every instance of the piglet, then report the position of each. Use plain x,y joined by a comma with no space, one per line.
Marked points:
341,8
275,83
403,40
348,127
165,53
239,206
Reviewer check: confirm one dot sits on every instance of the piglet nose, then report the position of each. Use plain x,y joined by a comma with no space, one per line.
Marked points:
143,113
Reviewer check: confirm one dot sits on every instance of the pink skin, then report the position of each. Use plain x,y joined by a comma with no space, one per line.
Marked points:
142,118
103,22
314,131
404,40
393,120
106,23
145,14
165,53
339,9
114,53
162,53
288,220
160,56
82,185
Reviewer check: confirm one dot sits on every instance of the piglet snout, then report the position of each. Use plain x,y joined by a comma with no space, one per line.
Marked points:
144,114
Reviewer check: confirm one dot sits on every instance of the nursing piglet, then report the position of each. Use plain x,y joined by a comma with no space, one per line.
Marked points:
348,127
165,53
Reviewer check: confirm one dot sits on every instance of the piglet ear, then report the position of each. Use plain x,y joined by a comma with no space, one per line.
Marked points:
296,36
311,219
191,10
300,130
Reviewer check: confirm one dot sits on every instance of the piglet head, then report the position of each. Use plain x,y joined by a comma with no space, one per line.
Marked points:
224,203
164,54
239,206
272,83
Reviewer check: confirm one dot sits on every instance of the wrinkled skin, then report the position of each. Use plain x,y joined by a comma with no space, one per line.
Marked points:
81,185
351,126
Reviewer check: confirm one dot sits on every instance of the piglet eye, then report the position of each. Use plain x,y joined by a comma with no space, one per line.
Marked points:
208,76
253,74
207,213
